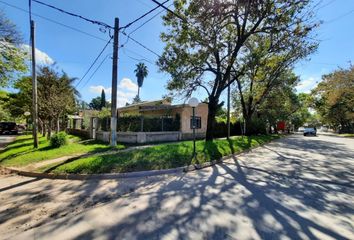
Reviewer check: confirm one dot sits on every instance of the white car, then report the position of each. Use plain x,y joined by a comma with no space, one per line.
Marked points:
310,131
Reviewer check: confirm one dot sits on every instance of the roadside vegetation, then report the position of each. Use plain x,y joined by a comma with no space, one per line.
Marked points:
162,156
21,151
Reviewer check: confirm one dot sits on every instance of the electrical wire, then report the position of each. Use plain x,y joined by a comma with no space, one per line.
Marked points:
136,59
169,10
98,67
93,63
53,21
142,16
102,24
339,17
140,44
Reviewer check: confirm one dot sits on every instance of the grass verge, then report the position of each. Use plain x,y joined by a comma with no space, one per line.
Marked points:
162,156
21,151
347,135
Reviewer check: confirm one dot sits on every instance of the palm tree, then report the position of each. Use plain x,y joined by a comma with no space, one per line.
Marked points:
141,72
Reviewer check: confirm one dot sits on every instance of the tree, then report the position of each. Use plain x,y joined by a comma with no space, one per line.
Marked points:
103,99
141,72
95,103
136,99
12,58
56,97
334,99
210,45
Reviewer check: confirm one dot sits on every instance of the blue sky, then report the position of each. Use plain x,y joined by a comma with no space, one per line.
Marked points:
74,52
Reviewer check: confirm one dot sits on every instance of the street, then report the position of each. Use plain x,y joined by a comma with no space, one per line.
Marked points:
293,188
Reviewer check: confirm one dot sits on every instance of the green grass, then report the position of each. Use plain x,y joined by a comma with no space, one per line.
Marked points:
347,135
21,151
162,156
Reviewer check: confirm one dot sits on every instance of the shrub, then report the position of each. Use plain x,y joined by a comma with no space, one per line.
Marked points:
58,140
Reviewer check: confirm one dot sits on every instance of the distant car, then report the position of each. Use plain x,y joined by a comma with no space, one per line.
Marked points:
301,129
8,128
310,131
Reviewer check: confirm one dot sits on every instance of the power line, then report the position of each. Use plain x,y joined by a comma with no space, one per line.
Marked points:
102,24
142,16
53,21
140,44
136,59
339,17
99,55
141,25
98,67
169,10
149,20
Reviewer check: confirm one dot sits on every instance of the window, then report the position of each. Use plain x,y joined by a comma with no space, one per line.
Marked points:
198,122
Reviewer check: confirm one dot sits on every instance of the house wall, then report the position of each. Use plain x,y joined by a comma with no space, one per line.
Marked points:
187,113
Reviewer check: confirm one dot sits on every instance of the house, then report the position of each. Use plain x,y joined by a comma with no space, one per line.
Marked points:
144,111
164,108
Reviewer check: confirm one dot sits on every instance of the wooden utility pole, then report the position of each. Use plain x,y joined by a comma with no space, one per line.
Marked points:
114,84
34,88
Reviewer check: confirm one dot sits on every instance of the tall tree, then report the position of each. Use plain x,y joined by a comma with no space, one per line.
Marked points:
95,103
12,58
56,97
334,99
210,44
141,72
103,99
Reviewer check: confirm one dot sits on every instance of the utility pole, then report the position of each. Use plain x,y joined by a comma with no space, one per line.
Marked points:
114,84
228,110
34,88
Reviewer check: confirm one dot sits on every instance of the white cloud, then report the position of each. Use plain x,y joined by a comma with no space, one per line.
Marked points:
98,89
127,84
305,86
41,57
127,90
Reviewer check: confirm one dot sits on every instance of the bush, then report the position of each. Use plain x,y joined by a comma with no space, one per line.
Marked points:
58,140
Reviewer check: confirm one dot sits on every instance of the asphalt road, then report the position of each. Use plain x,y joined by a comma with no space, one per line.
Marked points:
294,188
5,139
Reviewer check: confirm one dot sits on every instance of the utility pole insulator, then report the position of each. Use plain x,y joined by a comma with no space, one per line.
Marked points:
114,84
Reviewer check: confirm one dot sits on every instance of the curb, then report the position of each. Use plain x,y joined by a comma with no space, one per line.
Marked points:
93,176
149,173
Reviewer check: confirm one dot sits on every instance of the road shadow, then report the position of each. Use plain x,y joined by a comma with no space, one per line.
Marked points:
236,200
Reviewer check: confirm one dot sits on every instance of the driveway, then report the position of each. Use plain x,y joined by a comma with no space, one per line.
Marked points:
294,188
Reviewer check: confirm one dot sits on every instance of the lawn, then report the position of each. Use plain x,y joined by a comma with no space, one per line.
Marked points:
162,156
347,135
21,151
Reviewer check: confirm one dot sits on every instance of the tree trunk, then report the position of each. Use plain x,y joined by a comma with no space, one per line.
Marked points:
58,125
248,123
49,129
212,108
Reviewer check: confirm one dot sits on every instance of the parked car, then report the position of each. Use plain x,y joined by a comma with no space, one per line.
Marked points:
301,129
310,131
8,128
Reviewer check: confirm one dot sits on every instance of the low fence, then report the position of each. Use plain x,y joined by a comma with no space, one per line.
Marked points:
140,137
79,132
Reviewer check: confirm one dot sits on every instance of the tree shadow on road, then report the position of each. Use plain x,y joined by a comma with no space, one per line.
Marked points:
231,201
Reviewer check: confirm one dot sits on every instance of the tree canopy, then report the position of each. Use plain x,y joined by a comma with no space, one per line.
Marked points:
141,72
56,97
334,99
12,58
213,44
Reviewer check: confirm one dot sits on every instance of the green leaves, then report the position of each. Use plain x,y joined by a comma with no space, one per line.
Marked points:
12,58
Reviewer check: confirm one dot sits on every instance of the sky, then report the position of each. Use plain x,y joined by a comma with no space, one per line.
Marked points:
74,50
